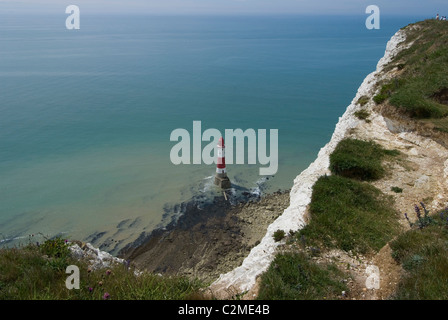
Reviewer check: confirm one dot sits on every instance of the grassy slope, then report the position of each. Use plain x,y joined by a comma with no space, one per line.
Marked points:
349,214
294,276
38,272
423,253
420,89
345,213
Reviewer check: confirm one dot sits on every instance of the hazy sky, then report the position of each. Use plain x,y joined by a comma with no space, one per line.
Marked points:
407,7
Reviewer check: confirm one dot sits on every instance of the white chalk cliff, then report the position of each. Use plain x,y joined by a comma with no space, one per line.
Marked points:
243,278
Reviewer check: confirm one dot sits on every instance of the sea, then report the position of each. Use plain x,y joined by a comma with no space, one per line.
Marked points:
86,115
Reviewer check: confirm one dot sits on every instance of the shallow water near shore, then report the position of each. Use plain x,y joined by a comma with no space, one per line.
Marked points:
87,116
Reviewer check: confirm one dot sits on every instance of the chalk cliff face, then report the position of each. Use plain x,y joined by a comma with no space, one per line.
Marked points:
429,175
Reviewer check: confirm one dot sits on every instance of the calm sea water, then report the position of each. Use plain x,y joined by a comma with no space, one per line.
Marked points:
86,115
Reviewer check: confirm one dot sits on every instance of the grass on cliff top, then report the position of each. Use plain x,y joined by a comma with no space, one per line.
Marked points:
357,159
423,253
37,272
421,90
293,276
345,213
349,215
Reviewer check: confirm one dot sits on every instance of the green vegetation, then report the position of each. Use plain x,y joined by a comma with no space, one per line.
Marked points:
422,88
350,215
387,90
294,276
423,253
279,235
38,272
396,189
359,159
345,213
363,115
363,100
380,98
439,124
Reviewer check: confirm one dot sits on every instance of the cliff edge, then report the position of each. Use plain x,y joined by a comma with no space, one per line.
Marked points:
422,175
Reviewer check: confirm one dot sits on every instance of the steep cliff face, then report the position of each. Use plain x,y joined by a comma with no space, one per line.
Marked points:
422,176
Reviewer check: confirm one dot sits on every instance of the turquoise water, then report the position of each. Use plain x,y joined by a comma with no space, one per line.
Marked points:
86,115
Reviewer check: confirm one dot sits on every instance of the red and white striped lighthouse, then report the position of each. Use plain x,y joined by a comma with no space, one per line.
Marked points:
221,178
221,166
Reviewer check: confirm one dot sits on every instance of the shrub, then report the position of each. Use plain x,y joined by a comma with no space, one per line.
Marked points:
422,221
380,98
362,115
357,159
396,189
279,235
362,101
55,248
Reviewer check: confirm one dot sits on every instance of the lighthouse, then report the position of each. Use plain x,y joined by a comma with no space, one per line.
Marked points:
221,178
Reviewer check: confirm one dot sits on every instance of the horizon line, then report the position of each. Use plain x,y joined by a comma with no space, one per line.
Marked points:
99,13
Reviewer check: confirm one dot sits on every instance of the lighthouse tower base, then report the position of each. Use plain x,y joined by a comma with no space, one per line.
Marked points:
222,181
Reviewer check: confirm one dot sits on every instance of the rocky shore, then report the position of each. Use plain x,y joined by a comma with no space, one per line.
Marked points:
207,242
